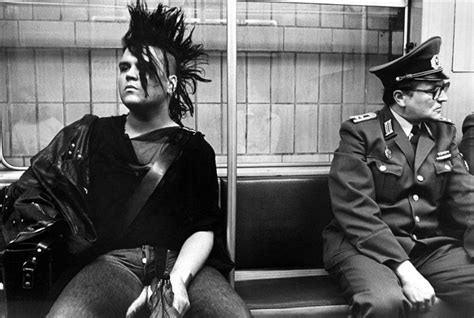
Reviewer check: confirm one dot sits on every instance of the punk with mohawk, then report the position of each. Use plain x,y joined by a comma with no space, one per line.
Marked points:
151,214
165,29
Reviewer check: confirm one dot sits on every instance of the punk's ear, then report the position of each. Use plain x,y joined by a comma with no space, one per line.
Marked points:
172,83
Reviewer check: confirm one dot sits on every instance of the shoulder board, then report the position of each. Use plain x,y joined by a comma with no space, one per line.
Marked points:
446,120
189,129
360,118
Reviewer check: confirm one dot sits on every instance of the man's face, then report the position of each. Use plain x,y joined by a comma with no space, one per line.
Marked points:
422,104
130,88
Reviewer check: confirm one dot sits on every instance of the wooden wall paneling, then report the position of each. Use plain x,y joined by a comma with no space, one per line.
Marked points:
329,124
241,78
211,92
308,15
307,77
209,122
21,70
258,80
75,111
373,85
330,78
283,78
306,129
353,88
284,13
349,110
3,77
104,75
49,75
104,109
50,122
241,128
24,130
463,50
258,129
282,123
6,129
76,75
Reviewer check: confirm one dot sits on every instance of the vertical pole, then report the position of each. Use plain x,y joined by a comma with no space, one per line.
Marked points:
231,126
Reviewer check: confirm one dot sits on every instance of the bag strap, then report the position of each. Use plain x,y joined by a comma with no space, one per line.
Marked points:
160,164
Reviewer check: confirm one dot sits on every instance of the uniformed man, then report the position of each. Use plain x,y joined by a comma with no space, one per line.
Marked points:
403,201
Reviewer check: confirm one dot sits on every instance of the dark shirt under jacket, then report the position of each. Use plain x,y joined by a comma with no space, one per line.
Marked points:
186,201
467,143
386,198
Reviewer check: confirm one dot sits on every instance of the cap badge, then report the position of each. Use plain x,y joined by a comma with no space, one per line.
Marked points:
435,63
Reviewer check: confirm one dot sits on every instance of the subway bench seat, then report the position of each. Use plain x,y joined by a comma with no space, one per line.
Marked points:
278,248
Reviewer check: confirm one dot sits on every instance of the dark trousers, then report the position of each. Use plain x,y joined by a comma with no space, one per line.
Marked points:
108,285
373,289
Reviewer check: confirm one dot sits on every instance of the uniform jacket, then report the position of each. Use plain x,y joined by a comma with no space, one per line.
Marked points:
467,143
386,198
53,188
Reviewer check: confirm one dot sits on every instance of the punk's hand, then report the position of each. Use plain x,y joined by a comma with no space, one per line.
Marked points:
181,299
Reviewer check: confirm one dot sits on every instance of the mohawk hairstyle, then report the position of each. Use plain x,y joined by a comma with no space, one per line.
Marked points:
165,29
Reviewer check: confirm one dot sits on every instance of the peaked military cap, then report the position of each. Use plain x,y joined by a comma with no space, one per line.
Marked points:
422,63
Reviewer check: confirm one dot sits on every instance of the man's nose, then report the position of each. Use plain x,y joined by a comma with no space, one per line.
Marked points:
443,97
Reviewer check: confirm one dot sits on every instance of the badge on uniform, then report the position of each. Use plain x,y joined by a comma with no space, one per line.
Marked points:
388,128
360,118
388,153
443,155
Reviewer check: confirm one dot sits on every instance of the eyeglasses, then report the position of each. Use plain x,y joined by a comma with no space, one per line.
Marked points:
436,92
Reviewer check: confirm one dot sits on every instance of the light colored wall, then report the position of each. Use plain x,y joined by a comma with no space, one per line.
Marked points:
453,21
302,70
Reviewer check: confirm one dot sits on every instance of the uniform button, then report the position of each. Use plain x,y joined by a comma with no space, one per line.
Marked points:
73,145
14,222
414,237
420,178
144,260
69,152
416,197
382,168
417,219
447,167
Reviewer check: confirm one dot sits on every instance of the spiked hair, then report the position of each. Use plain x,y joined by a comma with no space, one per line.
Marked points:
165,29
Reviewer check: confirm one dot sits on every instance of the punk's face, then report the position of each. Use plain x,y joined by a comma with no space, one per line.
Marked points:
130,87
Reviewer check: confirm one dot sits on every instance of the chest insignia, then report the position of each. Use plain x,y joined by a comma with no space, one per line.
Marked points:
388,128
443,155
388,153
360,118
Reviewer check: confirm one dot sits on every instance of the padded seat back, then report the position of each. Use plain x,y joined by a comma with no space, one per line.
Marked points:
279,221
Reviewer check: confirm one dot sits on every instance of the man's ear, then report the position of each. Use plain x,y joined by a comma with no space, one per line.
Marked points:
172,83
399,97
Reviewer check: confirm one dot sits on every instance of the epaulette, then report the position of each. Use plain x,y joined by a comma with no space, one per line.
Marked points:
446,120
363,117
189,129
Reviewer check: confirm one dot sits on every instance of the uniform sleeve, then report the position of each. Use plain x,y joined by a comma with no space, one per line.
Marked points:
203,190
353,200
459,196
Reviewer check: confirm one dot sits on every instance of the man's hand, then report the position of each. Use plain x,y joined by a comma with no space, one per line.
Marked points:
415,287
181,299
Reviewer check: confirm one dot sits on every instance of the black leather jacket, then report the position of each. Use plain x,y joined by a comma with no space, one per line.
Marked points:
53,191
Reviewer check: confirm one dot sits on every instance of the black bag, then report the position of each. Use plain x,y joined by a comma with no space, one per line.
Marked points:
29,270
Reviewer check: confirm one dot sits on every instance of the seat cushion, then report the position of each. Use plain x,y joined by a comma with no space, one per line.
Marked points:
312,291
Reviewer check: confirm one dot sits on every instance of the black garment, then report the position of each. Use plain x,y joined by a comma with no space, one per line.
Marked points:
467,143
185,202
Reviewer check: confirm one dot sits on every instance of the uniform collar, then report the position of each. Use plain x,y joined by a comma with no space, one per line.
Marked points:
405,124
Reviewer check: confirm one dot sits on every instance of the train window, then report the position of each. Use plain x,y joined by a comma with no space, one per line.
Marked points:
301,70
